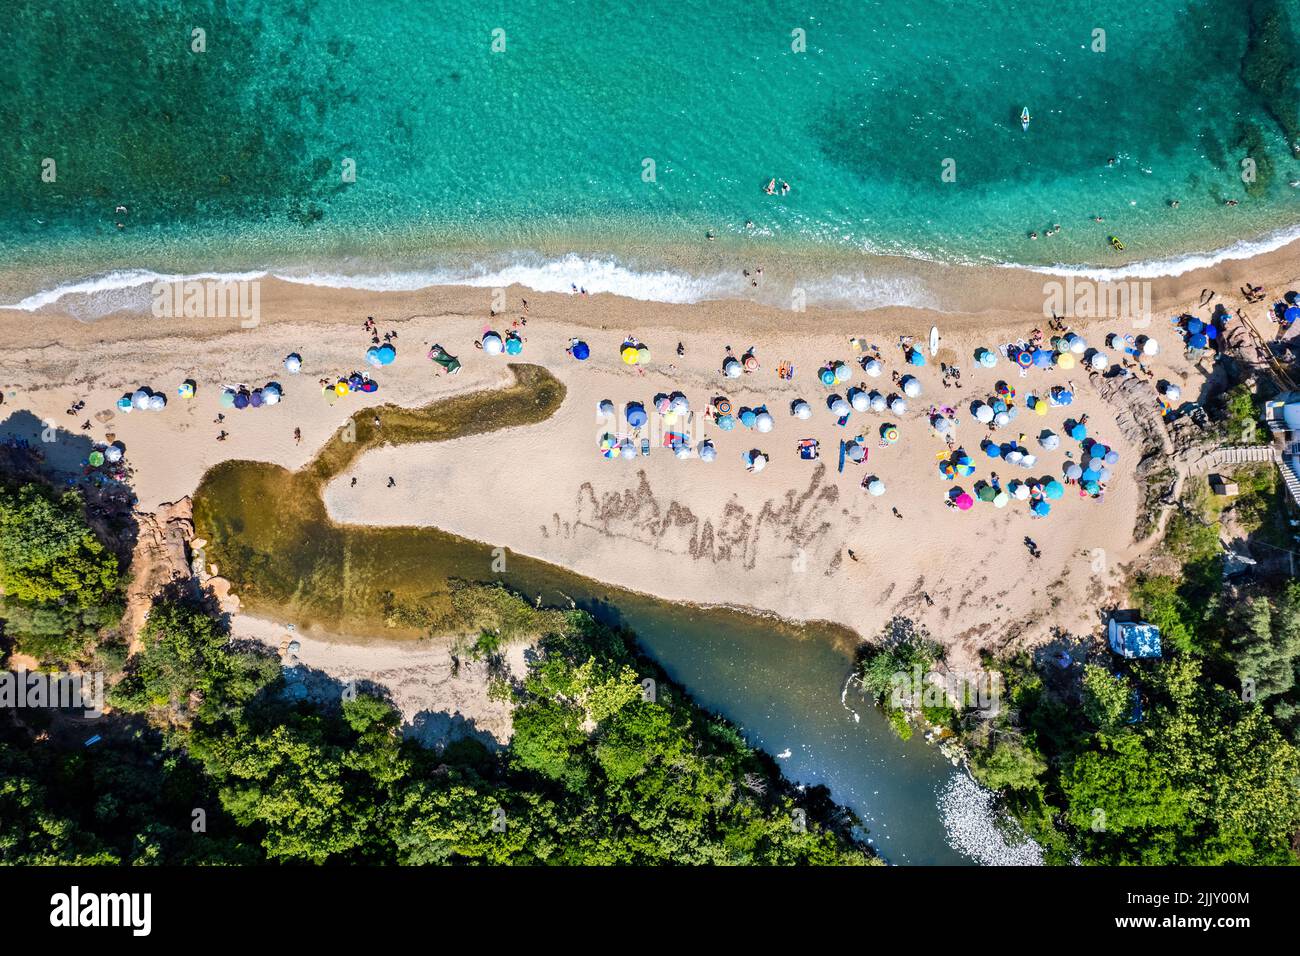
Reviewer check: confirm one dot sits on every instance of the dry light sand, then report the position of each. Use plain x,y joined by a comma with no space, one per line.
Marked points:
682,530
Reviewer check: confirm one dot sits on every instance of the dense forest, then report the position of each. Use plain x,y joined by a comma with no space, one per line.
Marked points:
204,758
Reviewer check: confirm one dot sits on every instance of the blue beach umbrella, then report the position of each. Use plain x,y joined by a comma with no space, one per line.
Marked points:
1195,326
372,357
636,416
514,344
1078,431
1053,489
580,351
1073,471
387,354
992,450
1043,358
1291,314
1200,341
747,417
1041,508
915,357
827,376
726,422
1091,487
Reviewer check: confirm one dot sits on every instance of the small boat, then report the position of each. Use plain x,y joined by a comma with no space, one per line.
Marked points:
1116,244
1024,119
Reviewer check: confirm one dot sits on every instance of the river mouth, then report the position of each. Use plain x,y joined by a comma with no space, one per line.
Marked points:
268,533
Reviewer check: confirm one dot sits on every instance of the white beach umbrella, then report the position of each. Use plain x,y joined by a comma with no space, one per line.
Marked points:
898,406
1049,441
842,372
1078,344
1001,418
940,424
682,450
706,451
293,362
875,487
627,449
1020,490
731,367
859,399
983,413
1172,392
763,421
1099,361
679,404
911,387
801,409
1014,455
839,407
876,401
872,367
1028,460
1150,346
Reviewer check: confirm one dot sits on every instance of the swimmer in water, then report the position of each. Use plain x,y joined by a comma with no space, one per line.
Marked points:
1033,235
785,187
770,188
1173,204
1230,202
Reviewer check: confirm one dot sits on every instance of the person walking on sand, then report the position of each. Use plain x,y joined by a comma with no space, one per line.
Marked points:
354,482
297,436
897,513
391,481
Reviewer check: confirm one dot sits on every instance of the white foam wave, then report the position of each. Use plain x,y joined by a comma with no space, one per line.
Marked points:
1174,266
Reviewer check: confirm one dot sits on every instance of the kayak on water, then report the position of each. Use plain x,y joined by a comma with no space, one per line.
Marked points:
1115,243
1024,119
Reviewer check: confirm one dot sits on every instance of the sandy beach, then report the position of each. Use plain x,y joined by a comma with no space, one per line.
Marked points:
709,533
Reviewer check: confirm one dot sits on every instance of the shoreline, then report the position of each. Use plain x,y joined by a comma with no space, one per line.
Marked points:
681,275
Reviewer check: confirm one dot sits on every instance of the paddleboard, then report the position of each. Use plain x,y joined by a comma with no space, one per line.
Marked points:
1024,119
934,339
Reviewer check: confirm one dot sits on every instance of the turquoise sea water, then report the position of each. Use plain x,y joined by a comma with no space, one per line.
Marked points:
233,157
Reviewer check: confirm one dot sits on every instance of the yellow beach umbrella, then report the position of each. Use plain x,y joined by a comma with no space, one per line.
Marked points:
629,355
1065,360
341,388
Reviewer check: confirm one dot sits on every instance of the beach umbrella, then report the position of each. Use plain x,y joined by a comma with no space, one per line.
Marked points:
986,492
1061,343
1065,360
1111,457
514,345
963,501
580,350
96,458
725,422
1096,463
748,417
839,407
757,460
872,367
706,451
157,402
604,408
1053,489
679,404
898,406
1000,499
1028,460
1103,474
1024,358
1020,490
492,343
1149,345
992,450
1172,392
272,396
1062,396
256,399
642,355
1040,406
682,450
1041,508
663,403
842,372
1089,475
983,413
241,399
627,449
801,409
986,357
608,445
1014,456
940,424
750,361
141,399
293,363
387,354
1099,361
113,453
1042,358
731,367
1001,418
763,421
1073,471
963,465
1198,342
635,414
1078,344
227,399
629,354
1004,390
889,433
915,357
1049,441
125,404
875,487
859,400
1195,326
185,389
827,376
855,452
1090,487
877,402
1078,431
911,387
1290,315
372,357
947,470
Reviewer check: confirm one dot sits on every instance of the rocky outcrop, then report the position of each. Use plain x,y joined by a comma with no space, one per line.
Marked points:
161,556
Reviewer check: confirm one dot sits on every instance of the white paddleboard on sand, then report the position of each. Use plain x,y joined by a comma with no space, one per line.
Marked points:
934,339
